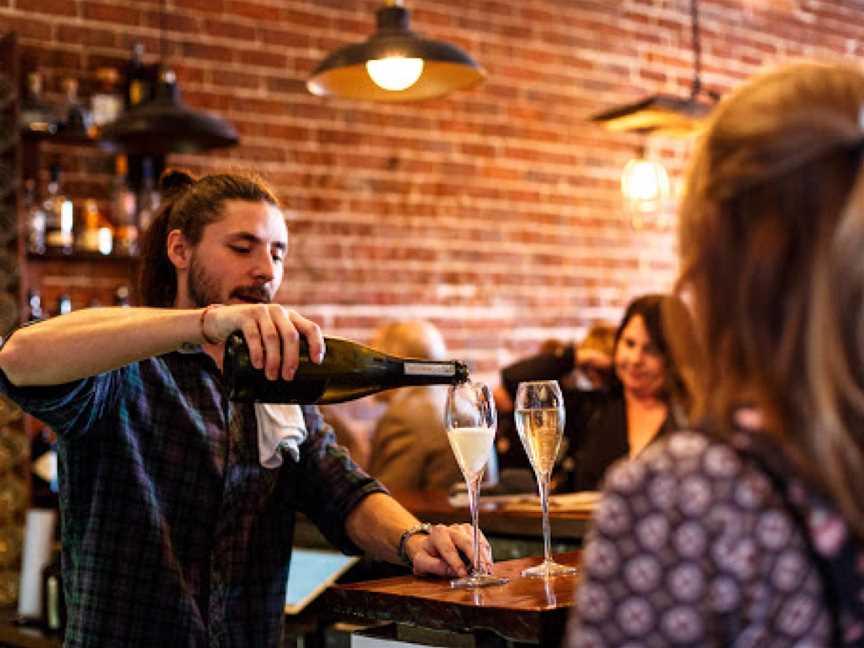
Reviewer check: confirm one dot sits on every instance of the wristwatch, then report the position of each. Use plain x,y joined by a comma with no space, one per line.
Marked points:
425,528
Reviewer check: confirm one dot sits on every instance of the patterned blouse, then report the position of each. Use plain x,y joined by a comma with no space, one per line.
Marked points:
707,543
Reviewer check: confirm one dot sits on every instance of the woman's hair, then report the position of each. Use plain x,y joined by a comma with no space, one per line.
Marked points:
600,337
772,238
188,205
664,316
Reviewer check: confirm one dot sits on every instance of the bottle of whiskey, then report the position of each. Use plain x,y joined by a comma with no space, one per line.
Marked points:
148,196
59,216
37,115
35,219
138,79
349,370
123,211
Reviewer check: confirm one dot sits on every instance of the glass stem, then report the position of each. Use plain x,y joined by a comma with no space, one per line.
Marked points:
544,504
474,506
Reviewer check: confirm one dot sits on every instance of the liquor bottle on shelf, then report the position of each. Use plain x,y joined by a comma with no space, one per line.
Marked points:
35,219
59,216
34,306
97,237
349,370
148,196
37,115
121,296
106,104
76,118
123,211
138,82
64,305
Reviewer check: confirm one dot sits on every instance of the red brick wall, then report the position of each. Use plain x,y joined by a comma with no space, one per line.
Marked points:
494,212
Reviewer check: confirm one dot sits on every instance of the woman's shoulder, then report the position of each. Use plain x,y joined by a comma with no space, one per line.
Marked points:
735,517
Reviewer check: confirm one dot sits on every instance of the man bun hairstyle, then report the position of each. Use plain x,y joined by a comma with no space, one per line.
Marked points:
174,182
188,205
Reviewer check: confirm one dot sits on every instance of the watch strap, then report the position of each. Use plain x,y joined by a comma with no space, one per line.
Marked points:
423,528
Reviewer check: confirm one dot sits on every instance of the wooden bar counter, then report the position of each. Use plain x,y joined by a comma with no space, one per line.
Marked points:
530,610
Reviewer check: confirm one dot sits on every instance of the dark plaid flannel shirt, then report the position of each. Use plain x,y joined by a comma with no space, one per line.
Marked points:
173,533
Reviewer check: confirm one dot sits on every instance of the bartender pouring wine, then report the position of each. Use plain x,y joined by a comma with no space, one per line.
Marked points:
177,505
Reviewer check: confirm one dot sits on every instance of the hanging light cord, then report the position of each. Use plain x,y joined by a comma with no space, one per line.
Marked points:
697,49
696,43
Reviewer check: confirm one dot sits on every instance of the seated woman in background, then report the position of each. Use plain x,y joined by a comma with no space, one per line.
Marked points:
555,360
750,531
644,398
409,447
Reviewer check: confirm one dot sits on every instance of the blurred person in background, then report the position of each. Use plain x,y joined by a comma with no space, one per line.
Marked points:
749,530
642,398
409,447
554,360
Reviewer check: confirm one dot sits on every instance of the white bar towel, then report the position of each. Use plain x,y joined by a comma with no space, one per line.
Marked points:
280,428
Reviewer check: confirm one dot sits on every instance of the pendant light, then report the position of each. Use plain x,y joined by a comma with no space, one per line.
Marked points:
395,64
164,123
662,113
646,191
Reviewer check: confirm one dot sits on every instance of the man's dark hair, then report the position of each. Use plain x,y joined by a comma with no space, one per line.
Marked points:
188,205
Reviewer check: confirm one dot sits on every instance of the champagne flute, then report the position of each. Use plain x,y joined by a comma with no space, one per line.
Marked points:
540,422
470,419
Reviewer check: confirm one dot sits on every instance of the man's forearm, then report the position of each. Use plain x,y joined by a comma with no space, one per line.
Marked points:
87,342
376,524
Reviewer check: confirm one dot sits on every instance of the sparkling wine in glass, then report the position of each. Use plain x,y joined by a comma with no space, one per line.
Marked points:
540,422
470,420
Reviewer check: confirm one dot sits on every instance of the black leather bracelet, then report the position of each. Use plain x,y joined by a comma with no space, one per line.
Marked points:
425,528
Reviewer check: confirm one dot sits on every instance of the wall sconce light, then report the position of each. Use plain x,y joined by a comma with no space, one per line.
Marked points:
395,64
646,191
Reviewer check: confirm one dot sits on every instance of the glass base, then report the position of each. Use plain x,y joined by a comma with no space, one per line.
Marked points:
549,568
478,580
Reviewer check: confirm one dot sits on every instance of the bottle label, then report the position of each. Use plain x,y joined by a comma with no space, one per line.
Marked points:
429,369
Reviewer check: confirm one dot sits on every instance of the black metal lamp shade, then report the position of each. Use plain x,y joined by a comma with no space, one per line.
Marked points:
664,114
446,68
165,124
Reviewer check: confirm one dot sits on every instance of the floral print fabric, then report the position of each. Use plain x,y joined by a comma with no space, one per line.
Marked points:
709,543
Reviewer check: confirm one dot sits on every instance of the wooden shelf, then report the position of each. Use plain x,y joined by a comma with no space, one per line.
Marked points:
53,256
70,139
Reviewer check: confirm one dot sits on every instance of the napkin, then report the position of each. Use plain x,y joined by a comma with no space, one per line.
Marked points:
281,429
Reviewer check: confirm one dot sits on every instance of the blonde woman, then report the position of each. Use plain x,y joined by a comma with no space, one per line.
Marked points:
749,530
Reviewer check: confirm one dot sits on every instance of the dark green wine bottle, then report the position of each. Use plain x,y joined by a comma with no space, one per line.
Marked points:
349,370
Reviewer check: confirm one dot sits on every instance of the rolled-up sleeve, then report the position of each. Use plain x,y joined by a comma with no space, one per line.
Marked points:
69,407
330,484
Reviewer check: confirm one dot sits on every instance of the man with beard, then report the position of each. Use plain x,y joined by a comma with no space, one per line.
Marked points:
175,529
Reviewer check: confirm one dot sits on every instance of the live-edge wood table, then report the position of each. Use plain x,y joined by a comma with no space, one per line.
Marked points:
525,610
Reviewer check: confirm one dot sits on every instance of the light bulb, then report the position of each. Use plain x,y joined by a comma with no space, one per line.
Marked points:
645,187
395,73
